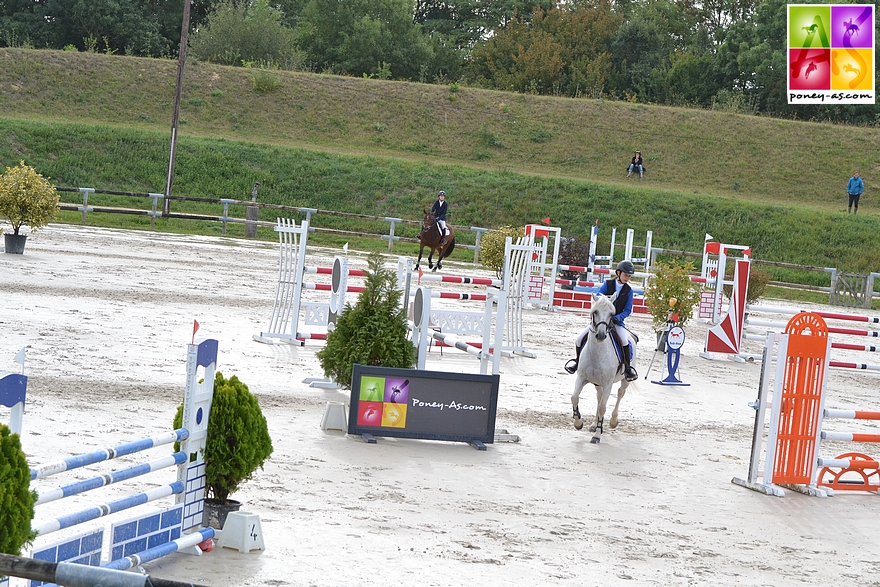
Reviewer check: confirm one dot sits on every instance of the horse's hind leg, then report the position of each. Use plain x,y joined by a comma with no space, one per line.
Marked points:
620,393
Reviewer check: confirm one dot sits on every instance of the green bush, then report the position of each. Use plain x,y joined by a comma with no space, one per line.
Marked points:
16,499
373,332
671,291
758,280
27,198
492,246
237,441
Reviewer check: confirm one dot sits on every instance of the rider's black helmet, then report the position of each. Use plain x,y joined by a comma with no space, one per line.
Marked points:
441,193
626,267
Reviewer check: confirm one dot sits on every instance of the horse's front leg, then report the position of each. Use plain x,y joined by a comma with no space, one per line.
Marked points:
431,258
621,391
579,383
602,394
421,250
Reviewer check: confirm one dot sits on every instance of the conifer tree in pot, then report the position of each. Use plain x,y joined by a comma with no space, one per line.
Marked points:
26,199
372,332
16,498
236,445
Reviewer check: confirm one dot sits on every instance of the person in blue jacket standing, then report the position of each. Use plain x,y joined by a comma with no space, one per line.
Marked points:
854,188
439,211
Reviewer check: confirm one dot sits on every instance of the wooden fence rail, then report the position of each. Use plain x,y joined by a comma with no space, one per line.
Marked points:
155,211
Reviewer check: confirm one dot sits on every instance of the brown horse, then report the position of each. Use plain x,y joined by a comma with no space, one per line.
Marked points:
430,237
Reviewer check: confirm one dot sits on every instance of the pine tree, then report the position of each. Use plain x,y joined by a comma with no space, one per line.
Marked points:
372,332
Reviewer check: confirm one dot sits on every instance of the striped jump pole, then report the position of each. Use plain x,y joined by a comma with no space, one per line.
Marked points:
329,271
451,341
145,536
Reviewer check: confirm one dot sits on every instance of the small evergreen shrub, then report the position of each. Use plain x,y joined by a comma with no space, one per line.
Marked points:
372,332
670,292
237,441
16,499
492,246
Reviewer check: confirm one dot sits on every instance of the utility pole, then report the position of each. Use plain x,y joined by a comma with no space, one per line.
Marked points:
181,61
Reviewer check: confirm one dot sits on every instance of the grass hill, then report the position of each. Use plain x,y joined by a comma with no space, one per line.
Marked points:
385,148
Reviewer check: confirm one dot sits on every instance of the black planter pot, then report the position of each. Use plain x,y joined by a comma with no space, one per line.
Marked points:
14,243
215,512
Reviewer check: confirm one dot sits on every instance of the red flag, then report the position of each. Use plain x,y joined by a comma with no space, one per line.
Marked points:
546,221
195,329
419,282
747,252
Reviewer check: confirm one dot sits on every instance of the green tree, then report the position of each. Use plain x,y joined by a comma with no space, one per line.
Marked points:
16,499
372,332
129,27
561,51
240,32
27,198
356,37
492,246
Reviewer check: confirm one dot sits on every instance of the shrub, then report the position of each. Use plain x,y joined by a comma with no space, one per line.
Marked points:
237,442
16,500
492,246
27,198
758,280
573,252
670,292
373,332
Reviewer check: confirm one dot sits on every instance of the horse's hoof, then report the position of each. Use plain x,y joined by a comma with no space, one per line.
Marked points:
595,440
578,423
592,428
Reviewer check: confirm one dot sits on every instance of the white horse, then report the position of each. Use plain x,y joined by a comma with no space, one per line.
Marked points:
598,364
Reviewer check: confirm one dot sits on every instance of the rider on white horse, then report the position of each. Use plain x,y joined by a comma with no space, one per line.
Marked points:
439,211
621,295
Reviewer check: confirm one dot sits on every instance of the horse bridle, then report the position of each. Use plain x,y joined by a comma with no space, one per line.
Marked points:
597,324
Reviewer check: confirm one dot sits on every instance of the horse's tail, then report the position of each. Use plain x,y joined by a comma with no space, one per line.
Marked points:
449,248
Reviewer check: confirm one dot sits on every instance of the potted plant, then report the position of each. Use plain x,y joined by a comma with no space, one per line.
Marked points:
373,332
26,199
237,443
671,297
15,495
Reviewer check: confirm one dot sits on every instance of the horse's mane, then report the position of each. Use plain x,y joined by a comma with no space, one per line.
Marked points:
600,300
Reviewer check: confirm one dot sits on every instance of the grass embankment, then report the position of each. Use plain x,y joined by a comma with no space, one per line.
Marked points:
385,148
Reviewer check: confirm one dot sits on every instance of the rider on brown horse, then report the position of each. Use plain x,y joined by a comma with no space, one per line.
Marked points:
439,211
